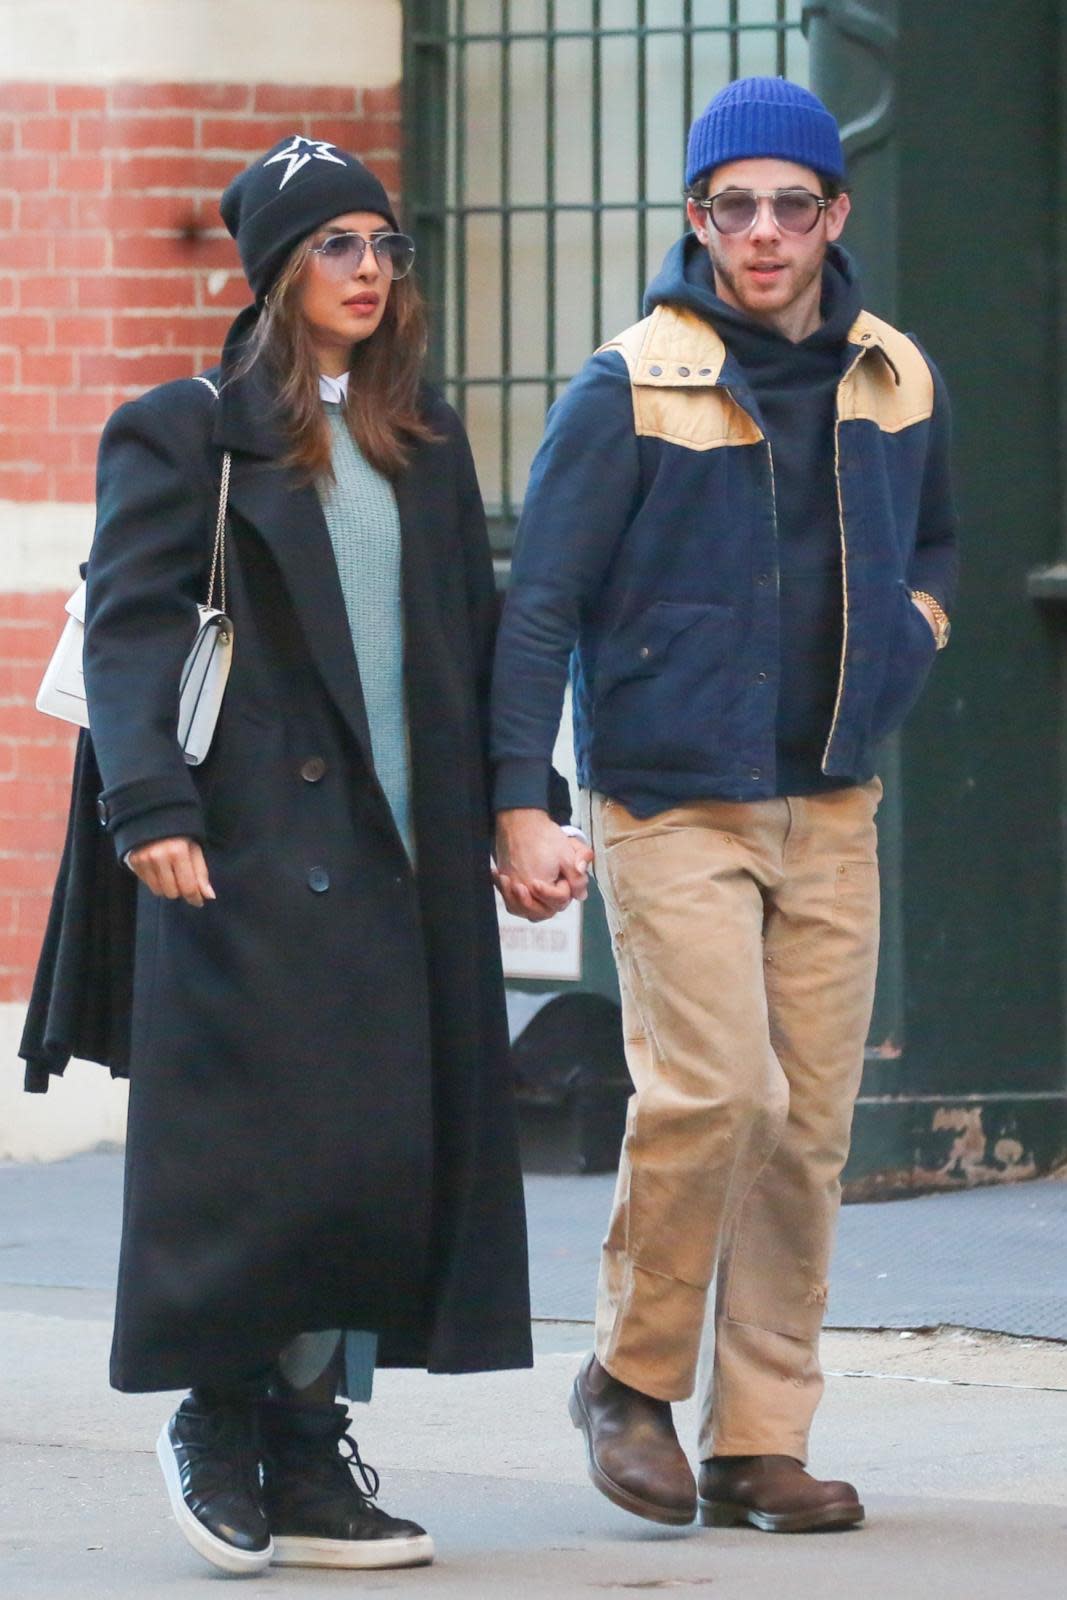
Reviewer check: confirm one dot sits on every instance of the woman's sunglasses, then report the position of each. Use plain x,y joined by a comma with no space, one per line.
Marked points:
341,255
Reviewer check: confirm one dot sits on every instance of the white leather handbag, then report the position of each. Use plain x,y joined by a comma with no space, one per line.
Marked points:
206,669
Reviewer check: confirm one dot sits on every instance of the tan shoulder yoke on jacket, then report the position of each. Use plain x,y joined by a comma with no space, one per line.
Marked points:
675,359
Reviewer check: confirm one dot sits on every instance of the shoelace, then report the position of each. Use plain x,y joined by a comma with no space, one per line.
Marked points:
368,1477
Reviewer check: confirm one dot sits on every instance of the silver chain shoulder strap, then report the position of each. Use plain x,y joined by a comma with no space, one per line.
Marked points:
218,554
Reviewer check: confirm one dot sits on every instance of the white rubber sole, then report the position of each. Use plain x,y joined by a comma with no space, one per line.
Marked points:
243,1563
362,1555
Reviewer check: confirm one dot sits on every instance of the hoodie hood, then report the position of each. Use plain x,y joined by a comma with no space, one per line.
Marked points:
686,280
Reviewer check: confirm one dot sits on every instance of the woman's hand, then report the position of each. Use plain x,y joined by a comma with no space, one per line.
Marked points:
173,868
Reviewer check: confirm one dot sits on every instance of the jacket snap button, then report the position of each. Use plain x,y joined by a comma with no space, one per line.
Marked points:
644,652
705,372
656,372
318,880
761,677
762,579
683,372
755,774
313,769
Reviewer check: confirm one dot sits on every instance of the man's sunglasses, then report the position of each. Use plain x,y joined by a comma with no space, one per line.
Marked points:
735,210
342,254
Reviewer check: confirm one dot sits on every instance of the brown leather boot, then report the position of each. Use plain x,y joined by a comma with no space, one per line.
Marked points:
773,1493
634,1455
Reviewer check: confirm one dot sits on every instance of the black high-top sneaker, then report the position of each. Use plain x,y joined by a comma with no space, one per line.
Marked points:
319,1515
209,1452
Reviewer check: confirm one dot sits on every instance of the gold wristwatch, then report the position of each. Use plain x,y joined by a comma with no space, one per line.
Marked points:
940,615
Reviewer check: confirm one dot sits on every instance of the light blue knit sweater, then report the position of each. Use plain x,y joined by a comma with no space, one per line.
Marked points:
361,514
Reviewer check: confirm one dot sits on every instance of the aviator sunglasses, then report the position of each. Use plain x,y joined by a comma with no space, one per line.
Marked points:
735,210
342,254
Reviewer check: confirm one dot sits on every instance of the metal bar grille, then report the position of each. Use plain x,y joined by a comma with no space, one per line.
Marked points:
526,36
558,185
505,253
550,204
459,247
641,218
596,200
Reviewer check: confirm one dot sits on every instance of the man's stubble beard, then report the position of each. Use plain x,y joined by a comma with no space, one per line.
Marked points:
723,275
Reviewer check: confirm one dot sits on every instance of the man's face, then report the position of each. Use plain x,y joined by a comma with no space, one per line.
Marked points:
766,269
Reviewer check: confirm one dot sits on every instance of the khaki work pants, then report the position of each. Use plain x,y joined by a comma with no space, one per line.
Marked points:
746,938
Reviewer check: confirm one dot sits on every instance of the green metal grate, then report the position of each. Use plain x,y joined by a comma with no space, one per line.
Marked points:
545,145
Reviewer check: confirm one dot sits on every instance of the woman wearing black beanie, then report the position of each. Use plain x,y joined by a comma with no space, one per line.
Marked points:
322,1172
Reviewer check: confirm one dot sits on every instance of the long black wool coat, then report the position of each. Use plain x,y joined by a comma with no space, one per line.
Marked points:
320,1124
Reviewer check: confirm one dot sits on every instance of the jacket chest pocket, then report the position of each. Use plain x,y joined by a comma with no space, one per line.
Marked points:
660,689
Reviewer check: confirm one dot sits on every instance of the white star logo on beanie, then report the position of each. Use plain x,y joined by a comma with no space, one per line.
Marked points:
299,153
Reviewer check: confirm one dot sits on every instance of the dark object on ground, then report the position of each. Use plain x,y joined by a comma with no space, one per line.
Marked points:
572,1085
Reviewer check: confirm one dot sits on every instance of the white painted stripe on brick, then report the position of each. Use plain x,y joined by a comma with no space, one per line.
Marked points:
202,41
81,1111
41,545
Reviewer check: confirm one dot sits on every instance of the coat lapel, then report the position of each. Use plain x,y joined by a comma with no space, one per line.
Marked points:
429,677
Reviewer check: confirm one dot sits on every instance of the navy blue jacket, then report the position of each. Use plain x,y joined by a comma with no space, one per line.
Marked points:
647,557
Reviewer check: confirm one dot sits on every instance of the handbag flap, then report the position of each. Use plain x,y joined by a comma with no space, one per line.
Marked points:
203,684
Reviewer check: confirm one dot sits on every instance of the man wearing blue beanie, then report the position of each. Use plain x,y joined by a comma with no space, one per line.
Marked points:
739,530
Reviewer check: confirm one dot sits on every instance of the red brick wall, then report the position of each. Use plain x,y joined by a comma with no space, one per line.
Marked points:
109,235
115,274
35,768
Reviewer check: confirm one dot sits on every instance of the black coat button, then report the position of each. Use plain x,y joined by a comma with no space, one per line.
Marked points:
101,811
318,880
313,769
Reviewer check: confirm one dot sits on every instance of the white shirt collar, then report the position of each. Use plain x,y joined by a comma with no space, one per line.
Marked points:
333,389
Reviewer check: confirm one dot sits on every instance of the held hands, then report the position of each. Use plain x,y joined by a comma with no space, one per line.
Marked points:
539,868
173,868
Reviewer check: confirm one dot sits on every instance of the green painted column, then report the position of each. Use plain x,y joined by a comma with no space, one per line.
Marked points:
854,69
960,227
982,113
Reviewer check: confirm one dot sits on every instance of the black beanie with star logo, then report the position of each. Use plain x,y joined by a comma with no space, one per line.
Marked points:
297,186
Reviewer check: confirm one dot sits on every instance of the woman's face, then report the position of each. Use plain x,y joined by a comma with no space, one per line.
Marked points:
343,302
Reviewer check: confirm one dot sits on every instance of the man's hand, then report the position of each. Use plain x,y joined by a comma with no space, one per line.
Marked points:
539,868
920,605
173,868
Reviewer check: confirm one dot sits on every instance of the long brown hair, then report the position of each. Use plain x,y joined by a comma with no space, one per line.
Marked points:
382,412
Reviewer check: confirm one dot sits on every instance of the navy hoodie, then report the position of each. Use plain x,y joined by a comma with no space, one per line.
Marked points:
795,388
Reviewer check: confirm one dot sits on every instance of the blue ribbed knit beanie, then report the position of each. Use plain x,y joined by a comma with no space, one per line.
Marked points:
765,117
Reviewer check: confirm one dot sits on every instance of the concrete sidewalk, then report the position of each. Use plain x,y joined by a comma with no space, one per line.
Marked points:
958,1442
